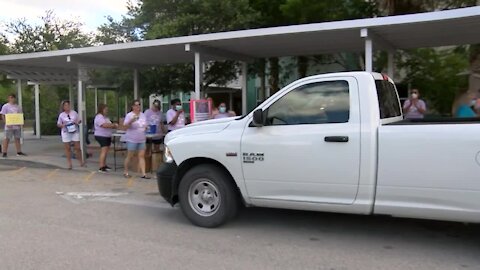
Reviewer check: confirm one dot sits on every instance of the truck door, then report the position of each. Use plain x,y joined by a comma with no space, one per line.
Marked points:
309,149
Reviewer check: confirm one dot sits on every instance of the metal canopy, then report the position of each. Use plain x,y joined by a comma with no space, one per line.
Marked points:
442,28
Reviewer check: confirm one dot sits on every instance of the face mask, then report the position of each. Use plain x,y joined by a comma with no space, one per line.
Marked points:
414,96
473,102
222,109
178,107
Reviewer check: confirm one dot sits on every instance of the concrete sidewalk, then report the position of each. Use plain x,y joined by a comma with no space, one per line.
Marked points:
49,151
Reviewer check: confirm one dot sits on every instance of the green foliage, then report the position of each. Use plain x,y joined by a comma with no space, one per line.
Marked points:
436,73
3,44
169,18
52,34
427,69
311,11
49,128
114,32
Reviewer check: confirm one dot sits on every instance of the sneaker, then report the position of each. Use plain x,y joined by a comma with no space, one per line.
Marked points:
4,155
102,170
108,168
21,154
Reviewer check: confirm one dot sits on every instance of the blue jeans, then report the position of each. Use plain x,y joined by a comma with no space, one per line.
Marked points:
135,146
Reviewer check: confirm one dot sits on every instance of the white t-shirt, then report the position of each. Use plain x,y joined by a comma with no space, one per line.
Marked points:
180,121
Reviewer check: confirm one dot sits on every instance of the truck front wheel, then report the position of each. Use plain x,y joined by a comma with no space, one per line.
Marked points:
208,196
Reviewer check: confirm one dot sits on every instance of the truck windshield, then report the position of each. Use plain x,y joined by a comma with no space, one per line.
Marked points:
388,102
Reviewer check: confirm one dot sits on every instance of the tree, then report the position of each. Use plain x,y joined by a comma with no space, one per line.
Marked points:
3,50
437,74
170,18
114,32
52,34
3,44
447,66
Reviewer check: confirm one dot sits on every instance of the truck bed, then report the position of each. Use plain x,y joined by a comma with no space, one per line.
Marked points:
436,120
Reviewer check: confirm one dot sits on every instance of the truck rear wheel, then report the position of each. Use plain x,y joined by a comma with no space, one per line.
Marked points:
207,196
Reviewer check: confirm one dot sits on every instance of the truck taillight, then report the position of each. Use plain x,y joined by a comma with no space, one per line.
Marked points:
385,77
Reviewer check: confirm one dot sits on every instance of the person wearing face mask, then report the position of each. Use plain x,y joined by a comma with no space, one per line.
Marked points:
222,112
462,107
414,107
175,116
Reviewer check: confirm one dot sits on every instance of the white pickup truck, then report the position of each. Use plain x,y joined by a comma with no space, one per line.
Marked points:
334,142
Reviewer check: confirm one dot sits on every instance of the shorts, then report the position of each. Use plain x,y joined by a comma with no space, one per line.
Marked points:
104,141
70,137
135,146
155,141
13,133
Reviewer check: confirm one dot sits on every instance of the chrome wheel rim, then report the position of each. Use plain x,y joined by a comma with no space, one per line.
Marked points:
204,197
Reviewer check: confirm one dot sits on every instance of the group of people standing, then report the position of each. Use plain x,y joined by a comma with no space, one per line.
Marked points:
135,125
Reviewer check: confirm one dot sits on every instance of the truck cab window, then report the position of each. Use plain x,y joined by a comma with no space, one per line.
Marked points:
388,101
315,103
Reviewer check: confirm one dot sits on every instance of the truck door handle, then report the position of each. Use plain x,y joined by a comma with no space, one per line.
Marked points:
343,139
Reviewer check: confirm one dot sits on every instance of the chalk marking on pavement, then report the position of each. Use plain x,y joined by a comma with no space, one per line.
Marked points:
111,197
77,197
89,176
52,173
19,170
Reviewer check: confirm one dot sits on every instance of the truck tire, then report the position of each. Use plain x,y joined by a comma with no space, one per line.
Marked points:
208,197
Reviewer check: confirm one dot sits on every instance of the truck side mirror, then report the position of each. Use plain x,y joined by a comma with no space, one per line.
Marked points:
258,118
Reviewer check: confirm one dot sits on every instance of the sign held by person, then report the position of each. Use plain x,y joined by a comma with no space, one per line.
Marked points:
14,119
200,110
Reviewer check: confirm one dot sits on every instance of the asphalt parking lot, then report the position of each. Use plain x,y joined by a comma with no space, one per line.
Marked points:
52,218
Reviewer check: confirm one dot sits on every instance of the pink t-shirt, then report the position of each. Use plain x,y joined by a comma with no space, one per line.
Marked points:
154,118
136,133
222,115
10,108
412,112
100,131
180,121
67,118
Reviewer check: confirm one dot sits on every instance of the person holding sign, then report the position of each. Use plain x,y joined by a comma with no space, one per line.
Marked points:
12,114
68,121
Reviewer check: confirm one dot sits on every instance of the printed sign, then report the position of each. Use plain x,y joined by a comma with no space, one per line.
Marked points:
200,110
14,119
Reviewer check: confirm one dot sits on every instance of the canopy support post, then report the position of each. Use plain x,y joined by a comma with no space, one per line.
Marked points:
135,84
368,49
244,87
37,111
198,74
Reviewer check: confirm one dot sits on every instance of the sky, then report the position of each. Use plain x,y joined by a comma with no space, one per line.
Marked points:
90,12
